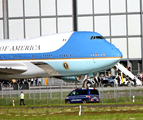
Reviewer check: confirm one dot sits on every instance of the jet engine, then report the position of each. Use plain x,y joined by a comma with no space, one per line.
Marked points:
73,78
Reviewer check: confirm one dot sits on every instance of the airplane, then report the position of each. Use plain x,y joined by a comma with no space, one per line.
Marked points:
68,56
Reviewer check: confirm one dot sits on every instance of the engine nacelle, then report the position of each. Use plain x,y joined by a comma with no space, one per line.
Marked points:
74,78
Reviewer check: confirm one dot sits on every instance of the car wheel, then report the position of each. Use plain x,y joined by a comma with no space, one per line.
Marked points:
112,84
67,102
84,101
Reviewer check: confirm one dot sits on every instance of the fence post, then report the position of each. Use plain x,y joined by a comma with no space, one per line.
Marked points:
50,91
114,90
9,89
73,86
61,93
80,110
116,93
18,90
102,92
2,89
29,89
6,95
40,91
34,96
133,99
47,93
130,92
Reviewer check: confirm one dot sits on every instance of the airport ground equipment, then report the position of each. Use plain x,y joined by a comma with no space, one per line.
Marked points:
127,73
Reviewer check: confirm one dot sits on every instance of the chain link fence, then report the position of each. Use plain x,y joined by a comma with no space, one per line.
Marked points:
56,91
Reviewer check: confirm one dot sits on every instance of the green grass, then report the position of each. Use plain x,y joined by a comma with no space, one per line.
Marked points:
55,98
102,113
34,108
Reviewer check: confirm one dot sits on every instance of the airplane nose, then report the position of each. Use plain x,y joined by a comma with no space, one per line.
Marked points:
116,52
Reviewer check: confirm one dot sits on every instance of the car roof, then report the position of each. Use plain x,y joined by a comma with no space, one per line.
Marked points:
86,89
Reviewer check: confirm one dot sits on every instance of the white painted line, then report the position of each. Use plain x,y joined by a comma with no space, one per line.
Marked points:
42,114
59,111
51,113
17,115
100,109
133,109
117,110
34,115
124,109
84,107
0,113
68,110
25,115
8,114
108,110
141,108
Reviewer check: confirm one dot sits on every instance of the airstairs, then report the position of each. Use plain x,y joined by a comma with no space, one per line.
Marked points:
127,73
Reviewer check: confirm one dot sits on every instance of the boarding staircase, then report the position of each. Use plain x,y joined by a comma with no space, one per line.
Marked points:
127,73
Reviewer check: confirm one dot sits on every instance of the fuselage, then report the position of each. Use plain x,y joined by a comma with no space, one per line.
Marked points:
65,54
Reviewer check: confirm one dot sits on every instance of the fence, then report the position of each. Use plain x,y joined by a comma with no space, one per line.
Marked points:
55,93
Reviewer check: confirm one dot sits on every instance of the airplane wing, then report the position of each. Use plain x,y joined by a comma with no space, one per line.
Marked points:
12,68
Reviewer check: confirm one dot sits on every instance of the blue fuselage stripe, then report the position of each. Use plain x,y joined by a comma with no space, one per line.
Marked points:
74,48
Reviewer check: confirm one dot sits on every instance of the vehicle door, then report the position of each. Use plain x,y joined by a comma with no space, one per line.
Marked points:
72,96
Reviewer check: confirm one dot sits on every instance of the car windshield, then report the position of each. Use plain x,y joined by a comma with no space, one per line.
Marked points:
72,93
112,77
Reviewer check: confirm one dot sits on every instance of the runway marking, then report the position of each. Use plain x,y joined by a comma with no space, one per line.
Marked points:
124,109
117,110
68,110
132,118
8,114
42,114
99,110
108,110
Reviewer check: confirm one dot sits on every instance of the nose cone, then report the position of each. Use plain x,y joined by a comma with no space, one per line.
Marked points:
116,52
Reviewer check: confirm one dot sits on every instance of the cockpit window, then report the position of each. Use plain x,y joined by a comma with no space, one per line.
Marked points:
96,37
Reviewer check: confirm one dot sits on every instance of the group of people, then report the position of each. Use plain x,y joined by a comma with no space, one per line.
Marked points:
37,81
98,80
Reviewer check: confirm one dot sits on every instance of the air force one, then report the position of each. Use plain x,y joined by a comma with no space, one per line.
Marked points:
68,56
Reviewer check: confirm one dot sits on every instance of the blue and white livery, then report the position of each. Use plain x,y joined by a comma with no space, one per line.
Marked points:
66,55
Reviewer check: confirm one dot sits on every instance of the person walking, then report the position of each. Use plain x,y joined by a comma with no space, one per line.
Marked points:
22,98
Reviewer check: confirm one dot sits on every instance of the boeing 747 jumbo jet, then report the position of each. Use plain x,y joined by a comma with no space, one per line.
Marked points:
67,56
